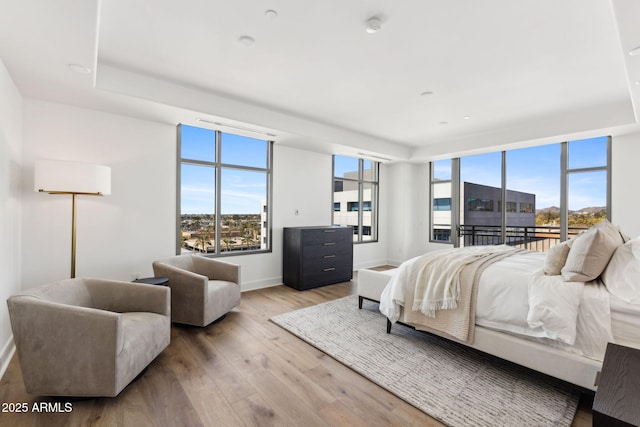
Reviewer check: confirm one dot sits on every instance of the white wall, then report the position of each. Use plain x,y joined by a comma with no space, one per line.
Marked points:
408,211
117,235
10,199
625,203
123,233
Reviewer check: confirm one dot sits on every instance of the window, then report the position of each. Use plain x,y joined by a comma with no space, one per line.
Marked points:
527,208
479,205
355,183
442,198
553,192
442,204
224,183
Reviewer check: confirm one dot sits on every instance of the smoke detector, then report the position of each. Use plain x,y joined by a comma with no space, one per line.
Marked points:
374,24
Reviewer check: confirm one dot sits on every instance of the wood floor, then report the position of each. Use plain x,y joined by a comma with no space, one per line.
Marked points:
244,370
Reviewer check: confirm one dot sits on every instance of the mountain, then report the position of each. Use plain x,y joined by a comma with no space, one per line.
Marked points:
550,209
554,210
590,210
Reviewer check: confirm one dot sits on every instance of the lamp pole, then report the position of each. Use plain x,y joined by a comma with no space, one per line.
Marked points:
73,235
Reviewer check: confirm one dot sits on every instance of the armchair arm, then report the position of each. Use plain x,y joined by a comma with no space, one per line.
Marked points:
217,270
126,297
185,284
62,344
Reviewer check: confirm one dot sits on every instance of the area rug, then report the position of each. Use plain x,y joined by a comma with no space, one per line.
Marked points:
454,384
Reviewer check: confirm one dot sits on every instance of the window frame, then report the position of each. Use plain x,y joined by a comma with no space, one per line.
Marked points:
565,172
361,181
218,167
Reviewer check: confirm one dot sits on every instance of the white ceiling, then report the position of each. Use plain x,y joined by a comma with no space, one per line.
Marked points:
522,71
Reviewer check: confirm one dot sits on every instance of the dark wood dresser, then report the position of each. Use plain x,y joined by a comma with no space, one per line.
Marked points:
617,401
317,256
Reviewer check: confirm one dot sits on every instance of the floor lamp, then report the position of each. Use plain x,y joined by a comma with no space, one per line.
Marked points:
76,179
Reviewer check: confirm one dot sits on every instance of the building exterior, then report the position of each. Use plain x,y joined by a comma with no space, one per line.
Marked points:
346,205
481,213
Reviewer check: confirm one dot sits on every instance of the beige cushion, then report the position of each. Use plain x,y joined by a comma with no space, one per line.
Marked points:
590,252
371,283
622,275
556,257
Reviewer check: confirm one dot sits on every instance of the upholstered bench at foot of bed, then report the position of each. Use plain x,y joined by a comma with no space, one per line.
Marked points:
371,283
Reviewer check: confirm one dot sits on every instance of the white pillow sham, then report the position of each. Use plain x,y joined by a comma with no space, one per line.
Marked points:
622,275
554,305
591,251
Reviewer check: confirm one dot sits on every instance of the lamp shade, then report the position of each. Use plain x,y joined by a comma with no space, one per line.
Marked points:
55,176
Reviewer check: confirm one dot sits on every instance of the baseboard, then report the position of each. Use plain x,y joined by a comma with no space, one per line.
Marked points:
6,355
276,281
261,284
370,264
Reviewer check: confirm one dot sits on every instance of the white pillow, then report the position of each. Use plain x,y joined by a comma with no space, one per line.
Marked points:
556,257
591,251
554,305
622,275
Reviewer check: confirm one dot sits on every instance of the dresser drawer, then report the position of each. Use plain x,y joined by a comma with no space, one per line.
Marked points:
319,275
325,251
314,236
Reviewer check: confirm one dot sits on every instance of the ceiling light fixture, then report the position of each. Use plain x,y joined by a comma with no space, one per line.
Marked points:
426,93
80,68
635,51
242,128
271,14
444,123
374,24
466,117
247,41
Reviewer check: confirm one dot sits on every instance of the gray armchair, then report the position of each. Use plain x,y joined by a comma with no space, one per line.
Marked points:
88,337
202,289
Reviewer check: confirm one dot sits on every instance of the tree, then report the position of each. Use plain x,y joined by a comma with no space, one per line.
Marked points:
227,243
203,240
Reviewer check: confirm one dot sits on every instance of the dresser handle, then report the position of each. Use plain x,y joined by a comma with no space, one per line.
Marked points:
328,256
330,243
329,269
329,231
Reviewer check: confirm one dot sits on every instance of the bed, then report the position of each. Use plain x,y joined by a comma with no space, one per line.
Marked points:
552,312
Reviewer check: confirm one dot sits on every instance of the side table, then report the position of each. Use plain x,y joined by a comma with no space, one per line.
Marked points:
161,281
616,400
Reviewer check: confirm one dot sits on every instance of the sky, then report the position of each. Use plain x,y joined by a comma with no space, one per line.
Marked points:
243,191
537,170
532,170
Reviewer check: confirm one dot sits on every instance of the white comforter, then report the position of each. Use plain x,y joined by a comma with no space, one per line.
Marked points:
515,296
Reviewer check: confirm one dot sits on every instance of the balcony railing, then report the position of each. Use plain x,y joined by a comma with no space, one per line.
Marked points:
535,238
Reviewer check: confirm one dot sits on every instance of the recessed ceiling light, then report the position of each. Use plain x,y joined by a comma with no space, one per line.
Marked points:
271,14
635,51
80,68
426,93
466,117
444,123
374,24
247,41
